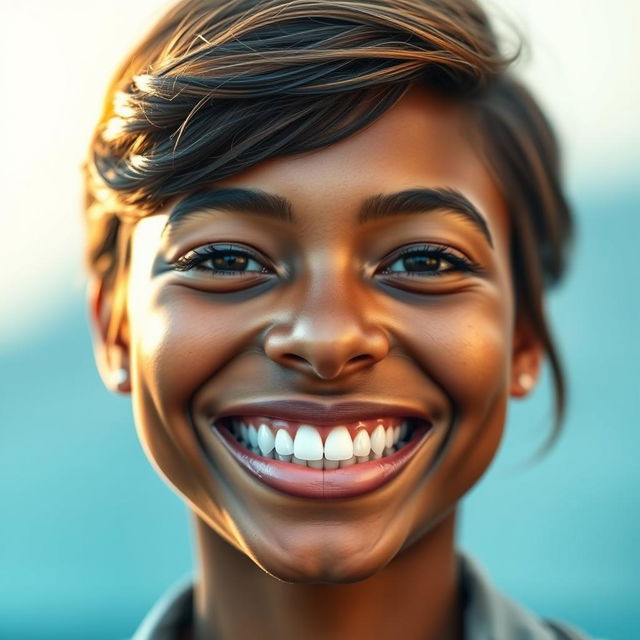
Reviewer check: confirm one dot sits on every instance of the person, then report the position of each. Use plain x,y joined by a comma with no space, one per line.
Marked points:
320,233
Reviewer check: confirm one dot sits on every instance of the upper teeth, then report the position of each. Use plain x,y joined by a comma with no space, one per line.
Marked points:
266,441
338,445
283,442
361,443
378,440
307,444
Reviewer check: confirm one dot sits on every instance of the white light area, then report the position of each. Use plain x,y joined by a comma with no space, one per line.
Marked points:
57,58
581,61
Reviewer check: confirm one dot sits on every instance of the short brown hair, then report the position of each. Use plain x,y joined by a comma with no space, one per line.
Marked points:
217,86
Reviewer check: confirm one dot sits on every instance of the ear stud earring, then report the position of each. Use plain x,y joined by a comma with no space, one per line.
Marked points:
119,377
525,380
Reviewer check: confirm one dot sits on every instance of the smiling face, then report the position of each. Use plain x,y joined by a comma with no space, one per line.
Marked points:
376,269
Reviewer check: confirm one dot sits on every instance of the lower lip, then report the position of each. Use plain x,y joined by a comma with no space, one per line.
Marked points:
305,482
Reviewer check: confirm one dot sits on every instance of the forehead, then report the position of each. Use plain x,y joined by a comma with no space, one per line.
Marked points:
423,141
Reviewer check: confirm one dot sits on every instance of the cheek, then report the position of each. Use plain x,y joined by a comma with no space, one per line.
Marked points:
180,340
464,348
463,345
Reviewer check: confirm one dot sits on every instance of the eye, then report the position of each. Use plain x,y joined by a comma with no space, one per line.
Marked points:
429,261
221,260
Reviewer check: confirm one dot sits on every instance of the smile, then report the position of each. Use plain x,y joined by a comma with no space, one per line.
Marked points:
322,461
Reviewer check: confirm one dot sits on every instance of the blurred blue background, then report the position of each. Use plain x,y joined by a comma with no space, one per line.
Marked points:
89,534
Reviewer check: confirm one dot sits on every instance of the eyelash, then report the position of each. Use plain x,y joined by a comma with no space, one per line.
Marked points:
438,252
197,257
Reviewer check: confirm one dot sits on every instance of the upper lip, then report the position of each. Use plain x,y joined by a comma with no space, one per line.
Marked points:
322,413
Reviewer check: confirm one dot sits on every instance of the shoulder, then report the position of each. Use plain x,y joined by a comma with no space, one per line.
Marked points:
490,615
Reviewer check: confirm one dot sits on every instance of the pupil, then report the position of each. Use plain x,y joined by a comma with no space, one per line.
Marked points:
230,261
422,263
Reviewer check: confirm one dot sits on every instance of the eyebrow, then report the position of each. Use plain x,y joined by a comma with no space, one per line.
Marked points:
275,207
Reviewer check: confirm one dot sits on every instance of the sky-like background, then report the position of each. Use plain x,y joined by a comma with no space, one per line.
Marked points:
89,534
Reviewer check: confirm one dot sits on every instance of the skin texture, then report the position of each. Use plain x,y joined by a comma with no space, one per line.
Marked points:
325,324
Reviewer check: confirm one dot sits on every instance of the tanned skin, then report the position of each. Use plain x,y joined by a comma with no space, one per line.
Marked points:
325,324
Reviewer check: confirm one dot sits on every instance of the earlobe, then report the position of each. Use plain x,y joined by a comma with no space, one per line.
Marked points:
526,359
110,336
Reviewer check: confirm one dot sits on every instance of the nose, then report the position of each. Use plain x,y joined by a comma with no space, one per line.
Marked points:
327,335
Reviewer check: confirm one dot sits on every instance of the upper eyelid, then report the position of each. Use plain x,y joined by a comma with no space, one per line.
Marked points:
398,253
199,254
442,249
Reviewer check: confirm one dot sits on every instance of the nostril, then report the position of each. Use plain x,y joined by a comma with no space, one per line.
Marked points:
293,357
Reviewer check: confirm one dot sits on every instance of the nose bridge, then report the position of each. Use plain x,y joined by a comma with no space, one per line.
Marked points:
329,329
329,298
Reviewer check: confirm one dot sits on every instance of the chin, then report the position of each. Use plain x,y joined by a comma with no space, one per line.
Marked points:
322,560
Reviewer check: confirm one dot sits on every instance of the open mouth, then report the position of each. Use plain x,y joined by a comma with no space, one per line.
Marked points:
321,461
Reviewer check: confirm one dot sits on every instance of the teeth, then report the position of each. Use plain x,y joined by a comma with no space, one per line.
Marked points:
307,449
378,441
362,444
347,463
266,441
330,464
308,443
389,437
284,443
338,445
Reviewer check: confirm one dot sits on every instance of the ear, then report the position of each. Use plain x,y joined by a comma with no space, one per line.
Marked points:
526,359
108,315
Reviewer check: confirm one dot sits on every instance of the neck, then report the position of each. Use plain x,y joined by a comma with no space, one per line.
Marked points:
417,595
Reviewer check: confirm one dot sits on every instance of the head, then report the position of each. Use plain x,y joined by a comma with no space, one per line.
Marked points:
336,201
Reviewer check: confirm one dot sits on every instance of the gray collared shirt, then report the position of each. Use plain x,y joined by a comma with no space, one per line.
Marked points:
488,614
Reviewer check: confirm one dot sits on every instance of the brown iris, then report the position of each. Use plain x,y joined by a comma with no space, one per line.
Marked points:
228,260
422,263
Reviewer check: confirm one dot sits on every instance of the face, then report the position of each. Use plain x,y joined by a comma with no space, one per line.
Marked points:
411,308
